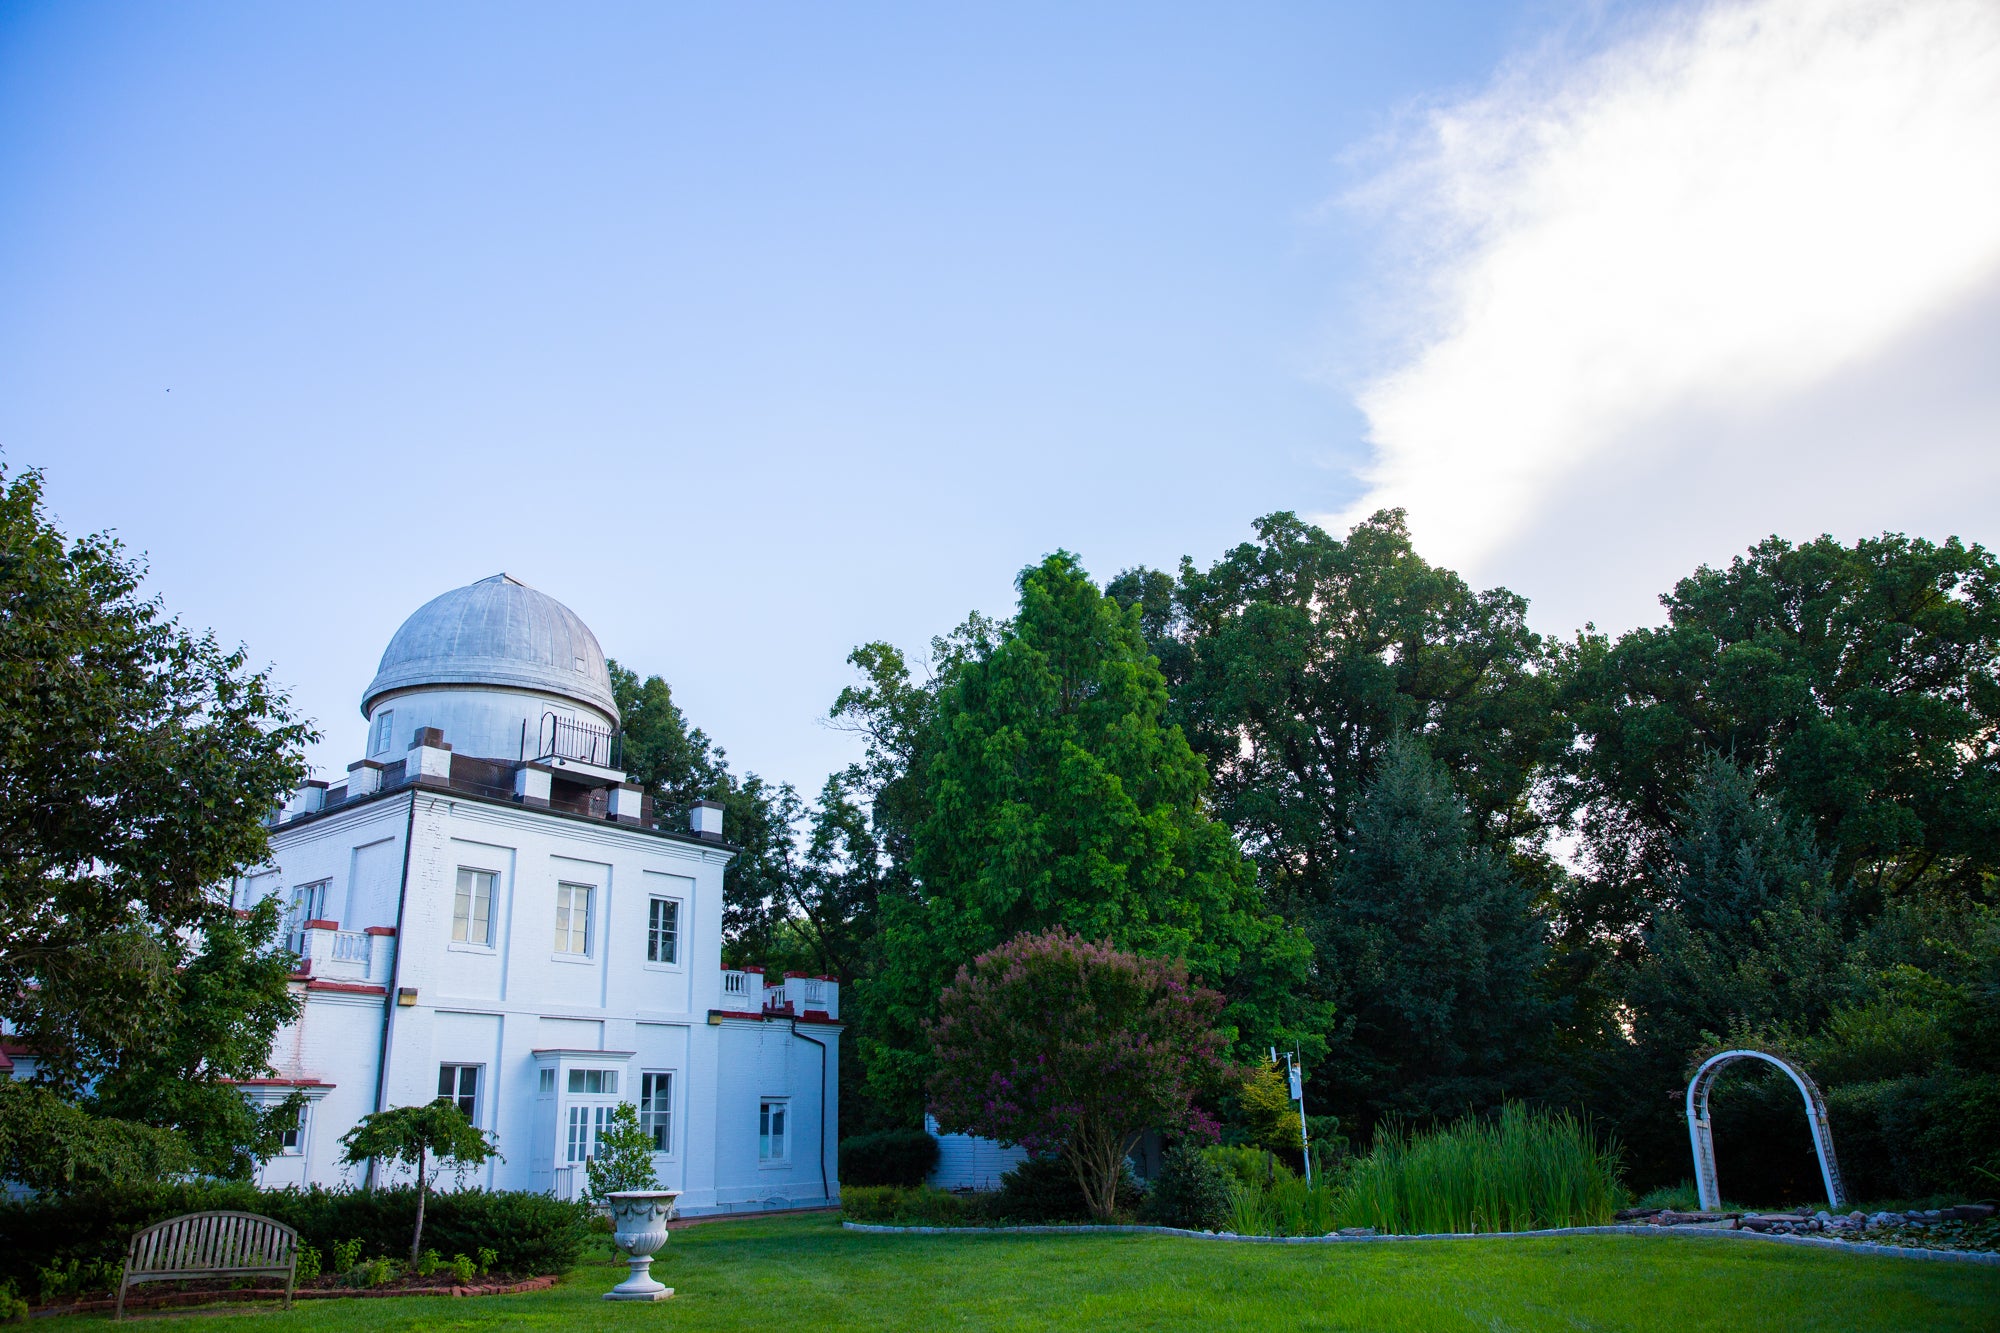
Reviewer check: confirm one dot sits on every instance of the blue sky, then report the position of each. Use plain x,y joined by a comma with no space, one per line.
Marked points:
755,332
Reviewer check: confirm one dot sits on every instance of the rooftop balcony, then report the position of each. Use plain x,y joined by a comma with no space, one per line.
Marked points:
797,996
578,742
328,953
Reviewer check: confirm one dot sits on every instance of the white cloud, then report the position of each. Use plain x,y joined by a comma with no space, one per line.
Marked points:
1659,267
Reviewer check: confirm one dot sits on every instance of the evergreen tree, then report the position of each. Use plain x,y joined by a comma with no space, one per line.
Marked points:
1430,947
1059,795
1743,945
1747,938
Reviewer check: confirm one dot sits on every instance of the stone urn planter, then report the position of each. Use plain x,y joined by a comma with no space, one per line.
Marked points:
639,1226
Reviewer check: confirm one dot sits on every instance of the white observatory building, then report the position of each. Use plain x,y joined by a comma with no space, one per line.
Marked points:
486,910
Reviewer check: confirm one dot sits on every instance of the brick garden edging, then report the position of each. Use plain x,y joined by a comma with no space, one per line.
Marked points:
1816,1242
164,1299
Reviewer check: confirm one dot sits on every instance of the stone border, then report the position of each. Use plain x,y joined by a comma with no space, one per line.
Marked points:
230,1295
1815,1242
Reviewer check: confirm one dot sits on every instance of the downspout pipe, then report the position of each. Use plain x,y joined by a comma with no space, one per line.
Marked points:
825,1189
395,973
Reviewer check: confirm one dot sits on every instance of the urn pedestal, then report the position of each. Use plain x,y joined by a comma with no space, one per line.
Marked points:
639,1226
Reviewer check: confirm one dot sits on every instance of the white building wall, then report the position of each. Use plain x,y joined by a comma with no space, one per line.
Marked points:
496,1005
966,1161
478,720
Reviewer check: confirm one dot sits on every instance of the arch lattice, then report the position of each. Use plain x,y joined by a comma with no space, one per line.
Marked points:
1704,1140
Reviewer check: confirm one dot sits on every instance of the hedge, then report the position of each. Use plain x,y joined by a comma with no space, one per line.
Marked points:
892,1157
533,1234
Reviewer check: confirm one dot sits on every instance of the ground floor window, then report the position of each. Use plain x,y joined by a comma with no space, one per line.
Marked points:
292,1138
771,1117
656,1109
459,1085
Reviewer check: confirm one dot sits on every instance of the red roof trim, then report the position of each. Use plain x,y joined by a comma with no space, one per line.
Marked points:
379,930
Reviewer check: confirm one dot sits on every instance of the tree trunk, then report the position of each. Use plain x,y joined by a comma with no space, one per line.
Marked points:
1097,1156
423,1189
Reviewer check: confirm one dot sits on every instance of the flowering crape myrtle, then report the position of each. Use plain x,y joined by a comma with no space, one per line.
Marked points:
1061,1045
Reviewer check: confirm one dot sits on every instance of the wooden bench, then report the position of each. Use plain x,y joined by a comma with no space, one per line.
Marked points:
217,1244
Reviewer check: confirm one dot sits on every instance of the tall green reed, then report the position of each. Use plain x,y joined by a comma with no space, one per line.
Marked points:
1522,1170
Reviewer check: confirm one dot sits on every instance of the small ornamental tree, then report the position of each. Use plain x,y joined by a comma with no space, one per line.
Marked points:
624,1156
1065,1046
425,1138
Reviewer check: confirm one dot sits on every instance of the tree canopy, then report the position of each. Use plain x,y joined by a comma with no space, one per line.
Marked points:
137,763
1058,794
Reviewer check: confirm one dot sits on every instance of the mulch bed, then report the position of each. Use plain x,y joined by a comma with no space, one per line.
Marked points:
209,1293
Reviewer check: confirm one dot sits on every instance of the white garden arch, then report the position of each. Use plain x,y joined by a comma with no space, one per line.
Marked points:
1704,1141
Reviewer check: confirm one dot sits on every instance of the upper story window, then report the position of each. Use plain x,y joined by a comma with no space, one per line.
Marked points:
472,907
597,1081
459,1085
663,932
308,904
573,918
771,1131
385,728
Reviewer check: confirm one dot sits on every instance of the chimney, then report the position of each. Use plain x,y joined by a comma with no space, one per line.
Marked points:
706,819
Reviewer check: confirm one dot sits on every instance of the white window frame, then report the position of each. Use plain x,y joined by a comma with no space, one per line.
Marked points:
770,1109
308,904
656,1108
471,902
653,903
297,1147
608,1081
582,1126
565,922
384,737
456,1095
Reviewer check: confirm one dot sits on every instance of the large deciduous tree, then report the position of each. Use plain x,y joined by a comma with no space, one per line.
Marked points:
1059,794
1859,686
1296,660
138,761
1065,1046
223,1008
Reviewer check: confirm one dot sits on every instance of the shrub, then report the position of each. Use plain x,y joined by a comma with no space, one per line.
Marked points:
13,1310
1074,1048
1044,1189
892,1157
526,1233
463,1270
624,1156
1244,1165
309,1263
429,1263
907,1206
1522,1170
375,1272
1191,1191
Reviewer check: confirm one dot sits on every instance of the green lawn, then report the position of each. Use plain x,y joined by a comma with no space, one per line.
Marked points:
805,1273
